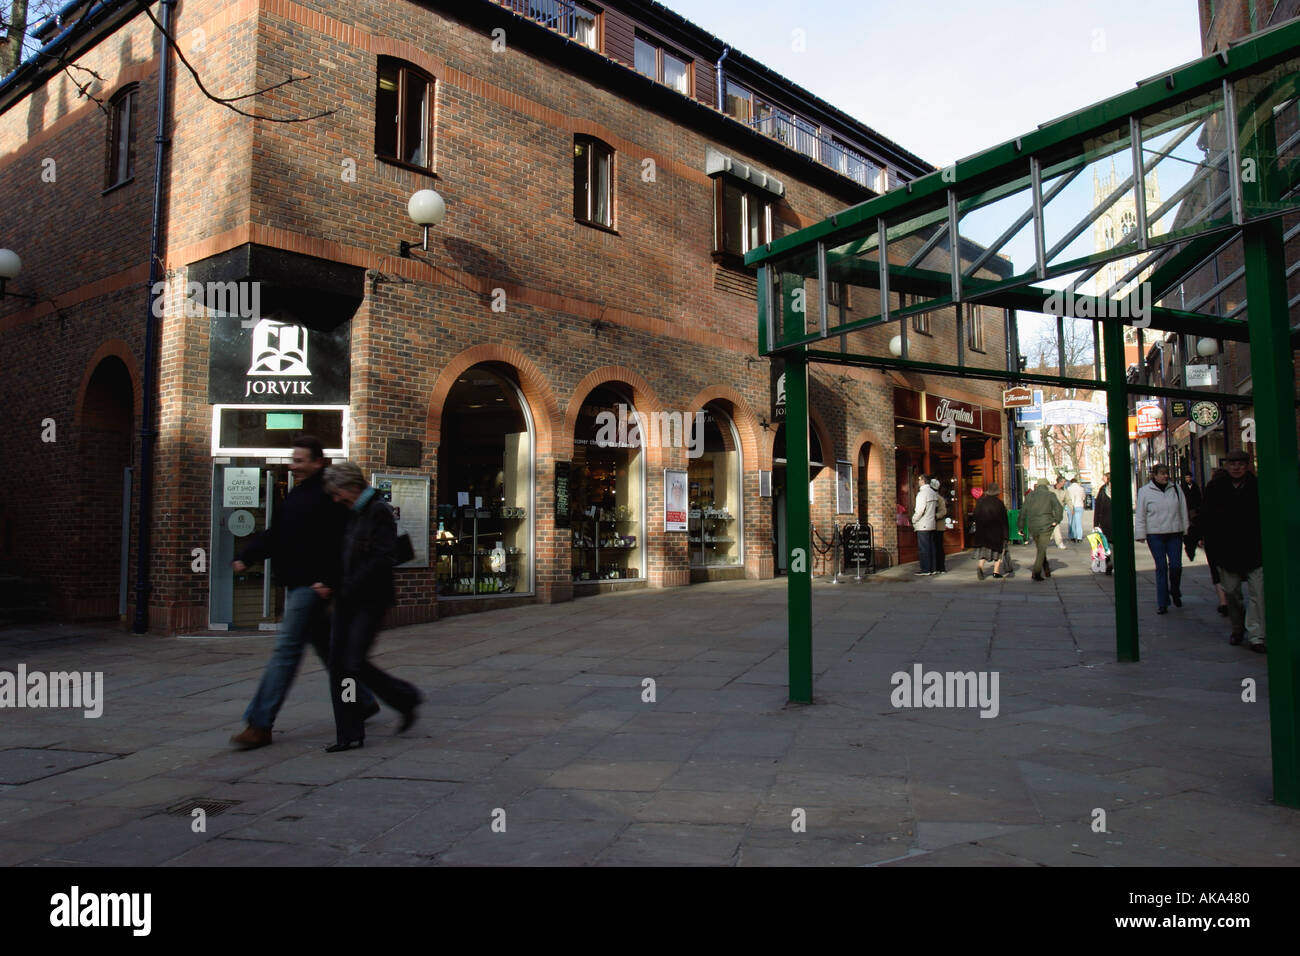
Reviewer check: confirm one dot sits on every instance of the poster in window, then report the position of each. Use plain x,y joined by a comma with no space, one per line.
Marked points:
843,488
674,500
409,497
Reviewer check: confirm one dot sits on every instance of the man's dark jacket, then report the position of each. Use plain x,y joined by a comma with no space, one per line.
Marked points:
1229,522
369,550
305,539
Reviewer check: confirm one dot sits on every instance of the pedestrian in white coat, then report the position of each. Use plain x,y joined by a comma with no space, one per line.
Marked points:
1161,520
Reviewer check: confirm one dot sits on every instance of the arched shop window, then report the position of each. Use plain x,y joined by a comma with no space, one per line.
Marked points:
716,524
607,490
485,487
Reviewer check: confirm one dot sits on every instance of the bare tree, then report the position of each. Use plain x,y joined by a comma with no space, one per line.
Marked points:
16,44
1065,443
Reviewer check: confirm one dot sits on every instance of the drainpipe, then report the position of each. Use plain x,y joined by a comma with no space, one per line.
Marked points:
717,67
144,547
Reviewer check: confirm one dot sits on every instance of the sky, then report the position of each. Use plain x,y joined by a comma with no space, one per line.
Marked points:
949,78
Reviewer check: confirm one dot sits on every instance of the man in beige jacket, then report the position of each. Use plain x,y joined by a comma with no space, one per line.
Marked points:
1058,489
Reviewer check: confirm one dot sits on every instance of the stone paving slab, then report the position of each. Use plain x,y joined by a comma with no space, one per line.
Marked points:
538,715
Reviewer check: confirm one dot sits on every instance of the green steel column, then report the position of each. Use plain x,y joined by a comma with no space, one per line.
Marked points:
1121,496
798,525
1273,381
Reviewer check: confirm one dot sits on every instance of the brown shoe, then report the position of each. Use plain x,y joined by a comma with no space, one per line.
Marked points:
251,738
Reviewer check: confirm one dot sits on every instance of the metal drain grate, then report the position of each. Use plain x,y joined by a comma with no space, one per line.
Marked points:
207,805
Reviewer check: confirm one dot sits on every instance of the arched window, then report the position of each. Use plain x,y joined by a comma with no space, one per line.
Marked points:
714,467
1127,223
607,489
485,486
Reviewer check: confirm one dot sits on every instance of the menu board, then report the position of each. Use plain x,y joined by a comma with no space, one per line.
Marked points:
409,497
562,493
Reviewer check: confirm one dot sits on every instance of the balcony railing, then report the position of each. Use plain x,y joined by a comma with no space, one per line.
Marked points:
559,15
844,159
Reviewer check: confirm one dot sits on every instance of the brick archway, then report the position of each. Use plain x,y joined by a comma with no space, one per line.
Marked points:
875,461
542,406
118,349
643,399
743,417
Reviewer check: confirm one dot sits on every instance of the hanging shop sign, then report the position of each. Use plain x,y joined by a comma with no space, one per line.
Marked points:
1178,408
277,362
1022,396
1201,375
674,500
1206,414
1150,418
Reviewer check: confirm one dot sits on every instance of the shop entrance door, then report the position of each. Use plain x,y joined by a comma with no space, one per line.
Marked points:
246,496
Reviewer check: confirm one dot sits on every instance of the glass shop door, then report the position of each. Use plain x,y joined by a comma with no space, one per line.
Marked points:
246,496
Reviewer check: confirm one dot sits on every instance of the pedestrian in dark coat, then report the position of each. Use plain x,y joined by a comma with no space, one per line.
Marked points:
991,530
1192,492
365,591
1101,507
1233,540
304,544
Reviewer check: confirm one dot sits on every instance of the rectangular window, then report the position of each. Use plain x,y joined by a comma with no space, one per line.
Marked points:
975,327
403,113
659,64
583,28
121,139
742,218
739,102
921,323
647,59
593,182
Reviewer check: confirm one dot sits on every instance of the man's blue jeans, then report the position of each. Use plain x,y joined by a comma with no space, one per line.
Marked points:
306,618
1167,549
925,551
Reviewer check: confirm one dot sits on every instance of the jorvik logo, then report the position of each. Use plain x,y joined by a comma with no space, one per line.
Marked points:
1136,306
242,299
630,429
279,349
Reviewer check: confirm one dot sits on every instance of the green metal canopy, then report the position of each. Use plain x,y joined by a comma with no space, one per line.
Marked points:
1158,209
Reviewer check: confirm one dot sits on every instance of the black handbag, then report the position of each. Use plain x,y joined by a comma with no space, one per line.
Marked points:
403,551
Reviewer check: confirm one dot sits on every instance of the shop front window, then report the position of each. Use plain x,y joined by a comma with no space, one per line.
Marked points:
484,538
606,490
715,525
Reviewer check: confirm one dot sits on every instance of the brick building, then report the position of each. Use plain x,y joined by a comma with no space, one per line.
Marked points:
1220,287
604,168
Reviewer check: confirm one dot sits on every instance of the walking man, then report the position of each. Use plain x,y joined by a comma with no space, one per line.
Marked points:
1161,521
1229,521
1077,498
1042,512
1060,532
305,545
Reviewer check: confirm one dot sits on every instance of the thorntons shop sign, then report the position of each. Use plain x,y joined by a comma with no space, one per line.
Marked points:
278,362
943,410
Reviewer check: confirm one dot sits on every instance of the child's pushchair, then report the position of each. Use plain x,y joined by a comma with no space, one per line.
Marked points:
1101,561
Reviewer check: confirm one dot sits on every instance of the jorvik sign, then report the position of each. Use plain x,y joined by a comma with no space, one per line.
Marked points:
278,361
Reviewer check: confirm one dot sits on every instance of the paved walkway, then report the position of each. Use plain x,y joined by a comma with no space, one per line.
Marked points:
538,747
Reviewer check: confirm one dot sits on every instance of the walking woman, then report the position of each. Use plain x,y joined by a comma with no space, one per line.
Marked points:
991,530
365,592
1161,520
